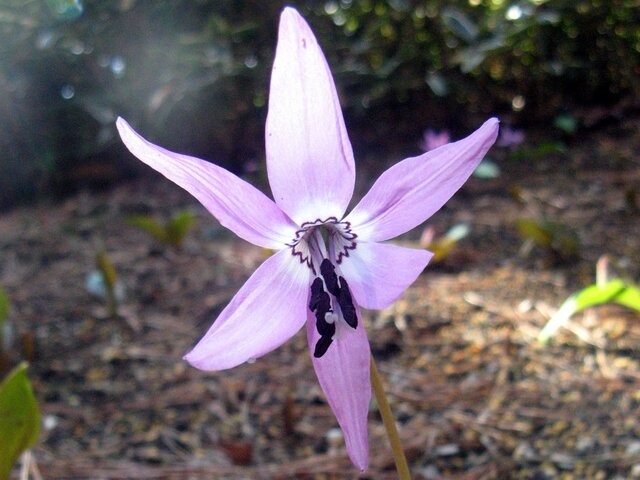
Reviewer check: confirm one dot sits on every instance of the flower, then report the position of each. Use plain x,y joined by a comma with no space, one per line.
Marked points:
510,137
327,265
432,139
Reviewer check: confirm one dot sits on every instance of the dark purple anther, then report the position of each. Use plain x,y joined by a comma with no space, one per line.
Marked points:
322,346
328,272
320,304
346,304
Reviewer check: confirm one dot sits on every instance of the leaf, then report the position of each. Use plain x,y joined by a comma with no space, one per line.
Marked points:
178,227
110,278
149,225
437,83
613,291
172,233
458,232
460,24
4,306
19,418
107,269
566,122
558,238
534,231
487,169
442,247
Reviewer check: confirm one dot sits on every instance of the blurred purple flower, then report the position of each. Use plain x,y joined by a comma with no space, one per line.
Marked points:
510,137
432,139
327,264
251,166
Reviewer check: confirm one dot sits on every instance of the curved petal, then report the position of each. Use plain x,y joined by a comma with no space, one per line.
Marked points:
412,190
268,310
236,204
343,372
378,273
309,156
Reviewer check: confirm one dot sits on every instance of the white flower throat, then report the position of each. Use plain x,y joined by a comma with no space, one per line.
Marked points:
322,245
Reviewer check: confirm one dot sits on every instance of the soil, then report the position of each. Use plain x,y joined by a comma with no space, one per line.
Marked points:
475,395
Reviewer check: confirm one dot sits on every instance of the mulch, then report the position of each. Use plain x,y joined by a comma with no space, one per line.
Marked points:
475,395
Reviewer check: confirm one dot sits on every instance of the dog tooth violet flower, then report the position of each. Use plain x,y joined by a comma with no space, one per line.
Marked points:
327,265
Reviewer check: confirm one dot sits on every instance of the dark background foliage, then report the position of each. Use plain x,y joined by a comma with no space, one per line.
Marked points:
194,75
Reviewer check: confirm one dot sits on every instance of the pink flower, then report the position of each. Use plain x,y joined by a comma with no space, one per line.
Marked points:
432,139
327,265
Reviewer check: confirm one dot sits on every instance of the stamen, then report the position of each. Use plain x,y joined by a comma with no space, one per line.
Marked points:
346,304
322,346
328,272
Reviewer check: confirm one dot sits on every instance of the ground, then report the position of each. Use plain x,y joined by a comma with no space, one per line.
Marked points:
475,395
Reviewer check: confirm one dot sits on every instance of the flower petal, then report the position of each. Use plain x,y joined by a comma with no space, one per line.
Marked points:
236,204
343,372
378,273
411,191
309,156
268,310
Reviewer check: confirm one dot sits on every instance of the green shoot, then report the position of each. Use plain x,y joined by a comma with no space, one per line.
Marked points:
110,278
602,292
19,418
557,238
171,233
443,246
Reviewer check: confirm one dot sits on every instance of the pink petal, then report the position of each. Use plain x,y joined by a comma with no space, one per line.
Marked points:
309,156
378,273
343,372
268,310
235,203
411,191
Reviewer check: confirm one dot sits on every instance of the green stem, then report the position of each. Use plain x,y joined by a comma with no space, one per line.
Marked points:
389,424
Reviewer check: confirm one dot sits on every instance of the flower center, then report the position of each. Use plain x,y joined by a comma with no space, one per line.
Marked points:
322,245
320,239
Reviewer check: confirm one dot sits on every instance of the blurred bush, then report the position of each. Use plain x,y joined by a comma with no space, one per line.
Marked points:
193,74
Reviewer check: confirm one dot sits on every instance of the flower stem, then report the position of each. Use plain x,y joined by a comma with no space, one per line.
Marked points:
389,424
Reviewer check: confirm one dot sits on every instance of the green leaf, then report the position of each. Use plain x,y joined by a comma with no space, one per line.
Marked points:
534,231
19,418
110,277
4,306
178,228
442,247
614,291
149,225
172,233
558,238
566,122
